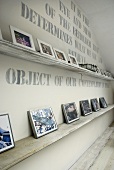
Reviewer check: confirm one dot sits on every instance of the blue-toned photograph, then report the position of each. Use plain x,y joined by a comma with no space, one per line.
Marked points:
42,121
6,136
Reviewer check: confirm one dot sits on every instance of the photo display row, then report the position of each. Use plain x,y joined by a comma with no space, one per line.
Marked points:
42,121
25,40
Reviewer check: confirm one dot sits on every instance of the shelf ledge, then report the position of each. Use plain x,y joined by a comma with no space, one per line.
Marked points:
29,146
10,49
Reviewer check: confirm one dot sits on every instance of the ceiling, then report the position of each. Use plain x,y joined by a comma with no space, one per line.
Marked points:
101,16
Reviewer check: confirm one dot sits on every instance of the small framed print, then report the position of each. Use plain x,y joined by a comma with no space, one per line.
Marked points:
42,121
73,60
22,38
70,112
85,107
60,55
45,48
103,103
1,35
6,136
95,105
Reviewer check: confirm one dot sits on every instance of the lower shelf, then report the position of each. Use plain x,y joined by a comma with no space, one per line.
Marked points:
29,146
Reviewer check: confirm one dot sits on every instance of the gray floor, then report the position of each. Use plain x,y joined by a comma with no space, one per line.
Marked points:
100,156
105,160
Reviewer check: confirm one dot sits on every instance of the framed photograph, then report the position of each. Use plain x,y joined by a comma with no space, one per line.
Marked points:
95,105
73,60
1,35
60,55
6,135
85,107
103,103
22,38
42,121
70,112
45,48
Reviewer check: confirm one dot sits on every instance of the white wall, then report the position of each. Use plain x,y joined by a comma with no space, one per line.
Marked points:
40,18
18,97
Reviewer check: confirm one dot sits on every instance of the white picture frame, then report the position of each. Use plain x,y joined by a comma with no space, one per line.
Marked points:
42,121
73,60
45,48
60,55
22,38
1,38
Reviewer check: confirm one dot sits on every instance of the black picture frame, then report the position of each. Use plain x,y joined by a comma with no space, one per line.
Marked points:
42,121
70,112
102,102
6,135
85,107
95,105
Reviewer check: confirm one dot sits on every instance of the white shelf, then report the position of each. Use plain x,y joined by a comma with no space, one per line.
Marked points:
29,146
10,49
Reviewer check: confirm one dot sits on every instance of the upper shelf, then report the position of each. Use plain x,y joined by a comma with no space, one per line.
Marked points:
10,49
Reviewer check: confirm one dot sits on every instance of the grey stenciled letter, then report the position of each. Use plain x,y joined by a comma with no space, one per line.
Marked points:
25,11
10,76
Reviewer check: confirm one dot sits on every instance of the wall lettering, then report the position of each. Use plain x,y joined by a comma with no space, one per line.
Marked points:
58,80
21,77
43,23
70,81
77,22
81,37
85,20
88,52
86,31
49,11
70,26
79,13
64,23
80,47
64,9
73,6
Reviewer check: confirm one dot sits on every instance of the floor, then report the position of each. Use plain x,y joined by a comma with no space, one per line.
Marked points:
105,160
100,156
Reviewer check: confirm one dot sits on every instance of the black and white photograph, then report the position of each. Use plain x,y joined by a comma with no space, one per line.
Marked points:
95,105
45,48
22,38
85,107
70,112
103,103
42,121
6,135
60,55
